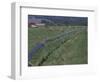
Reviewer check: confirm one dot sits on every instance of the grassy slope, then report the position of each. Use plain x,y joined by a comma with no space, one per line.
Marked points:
73,51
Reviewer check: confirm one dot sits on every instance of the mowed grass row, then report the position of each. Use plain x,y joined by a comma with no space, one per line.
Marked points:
58,56
73,51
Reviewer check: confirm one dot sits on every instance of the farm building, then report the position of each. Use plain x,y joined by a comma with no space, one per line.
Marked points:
34,22
35,25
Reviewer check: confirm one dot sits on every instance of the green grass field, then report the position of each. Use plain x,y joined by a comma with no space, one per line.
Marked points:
68,49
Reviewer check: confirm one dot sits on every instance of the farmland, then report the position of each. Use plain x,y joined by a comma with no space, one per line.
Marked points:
57,45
